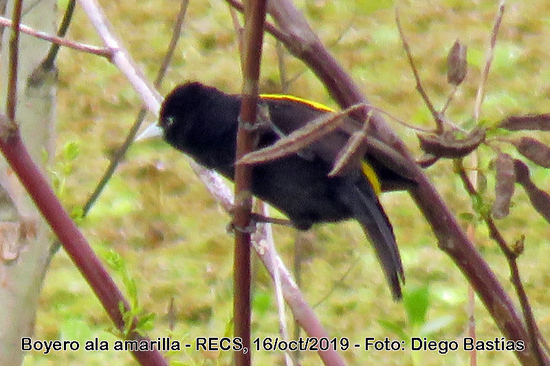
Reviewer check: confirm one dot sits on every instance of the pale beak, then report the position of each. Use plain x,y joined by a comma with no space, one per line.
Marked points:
152,132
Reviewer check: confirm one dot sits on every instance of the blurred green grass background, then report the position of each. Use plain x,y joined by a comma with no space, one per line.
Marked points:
156,214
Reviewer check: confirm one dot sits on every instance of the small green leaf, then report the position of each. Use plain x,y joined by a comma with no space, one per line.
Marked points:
113,259
145,323
261,302
467,216
77,214
417,302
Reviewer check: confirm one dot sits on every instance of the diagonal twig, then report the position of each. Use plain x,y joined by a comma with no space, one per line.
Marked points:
488,61
121,152
49,61
435,114
100,51
120,57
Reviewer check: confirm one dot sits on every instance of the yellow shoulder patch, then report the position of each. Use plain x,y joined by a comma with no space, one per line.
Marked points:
292,98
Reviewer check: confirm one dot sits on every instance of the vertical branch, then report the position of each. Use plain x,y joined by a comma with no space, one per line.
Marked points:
303,312
470,231
475,174
281,57
13,61
253,38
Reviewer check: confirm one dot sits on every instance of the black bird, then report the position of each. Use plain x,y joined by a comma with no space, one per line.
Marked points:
202,122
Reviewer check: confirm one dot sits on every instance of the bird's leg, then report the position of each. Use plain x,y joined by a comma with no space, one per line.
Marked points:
259,218
256,218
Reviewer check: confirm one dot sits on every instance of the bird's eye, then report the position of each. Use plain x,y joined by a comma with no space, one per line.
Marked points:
167,122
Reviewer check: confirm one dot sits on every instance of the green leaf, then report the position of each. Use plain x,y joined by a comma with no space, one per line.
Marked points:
113,259
417,302
467,216
145,323
77,214
261,302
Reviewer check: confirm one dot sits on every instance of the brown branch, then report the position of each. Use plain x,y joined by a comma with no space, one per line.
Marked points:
68,234
255,12
11,101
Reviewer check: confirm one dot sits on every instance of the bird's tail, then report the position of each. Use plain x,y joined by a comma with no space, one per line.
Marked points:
367,210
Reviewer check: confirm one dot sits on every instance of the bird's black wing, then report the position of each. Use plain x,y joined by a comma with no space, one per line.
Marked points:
289,114
357,192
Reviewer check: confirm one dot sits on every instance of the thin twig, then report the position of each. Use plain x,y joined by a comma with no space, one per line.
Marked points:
470,230
477,112
299,258
121,152
49,61
335,284
11,101
238,30
100,51
120,57
488,61
266,231
449,99
435,114
281,64
471,317
178,27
